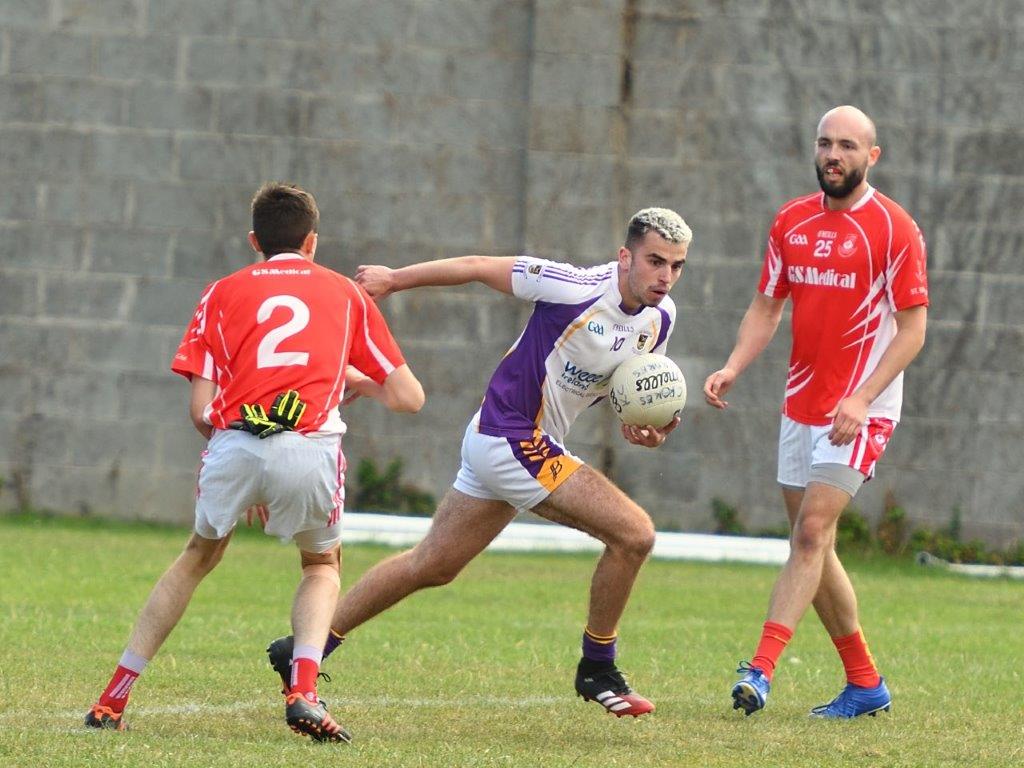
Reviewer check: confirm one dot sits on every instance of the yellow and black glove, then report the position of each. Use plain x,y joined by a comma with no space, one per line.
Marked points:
287,409
284,416
255,421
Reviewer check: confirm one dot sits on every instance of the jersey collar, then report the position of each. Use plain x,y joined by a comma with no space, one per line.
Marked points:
285,256
864,200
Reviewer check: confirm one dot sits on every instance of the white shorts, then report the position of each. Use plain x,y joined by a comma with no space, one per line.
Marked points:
804,448
300,479
521,472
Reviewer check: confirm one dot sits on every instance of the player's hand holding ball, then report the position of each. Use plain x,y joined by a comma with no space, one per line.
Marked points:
647,393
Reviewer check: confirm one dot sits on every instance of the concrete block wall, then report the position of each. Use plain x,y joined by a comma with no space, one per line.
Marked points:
133,133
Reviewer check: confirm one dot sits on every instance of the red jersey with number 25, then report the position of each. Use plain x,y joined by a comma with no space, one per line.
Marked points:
848,273
286,323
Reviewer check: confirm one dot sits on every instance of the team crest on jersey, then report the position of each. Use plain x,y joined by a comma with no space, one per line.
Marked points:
848,246
534,269
641,342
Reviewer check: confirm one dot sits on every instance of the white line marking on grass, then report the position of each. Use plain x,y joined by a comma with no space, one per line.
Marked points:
336,704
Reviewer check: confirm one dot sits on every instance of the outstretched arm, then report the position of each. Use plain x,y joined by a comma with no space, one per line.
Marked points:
757,329
493,271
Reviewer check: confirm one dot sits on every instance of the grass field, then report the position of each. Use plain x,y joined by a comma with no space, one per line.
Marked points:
480,673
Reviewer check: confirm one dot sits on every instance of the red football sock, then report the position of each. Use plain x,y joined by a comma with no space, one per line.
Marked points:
774,638
857,660
120,686
304,672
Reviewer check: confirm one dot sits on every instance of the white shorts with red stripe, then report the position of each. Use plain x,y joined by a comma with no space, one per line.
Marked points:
300,479
803,447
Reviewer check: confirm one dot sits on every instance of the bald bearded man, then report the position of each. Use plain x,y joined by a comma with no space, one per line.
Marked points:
853,263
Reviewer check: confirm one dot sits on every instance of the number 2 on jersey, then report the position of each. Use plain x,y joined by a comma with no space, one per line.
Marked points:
267,355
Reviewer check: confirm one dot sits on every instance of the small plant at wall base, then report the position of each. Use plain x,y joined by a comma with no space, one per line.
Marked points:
891,533
727,518
853,534
384,491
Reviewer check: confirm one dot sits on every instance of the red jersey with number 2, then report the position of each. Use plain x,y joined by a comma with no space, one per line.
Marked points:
848,273
286,323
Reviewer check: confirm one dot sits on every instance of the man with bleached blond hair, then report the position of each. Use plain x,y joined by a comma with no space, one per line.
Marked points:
585,323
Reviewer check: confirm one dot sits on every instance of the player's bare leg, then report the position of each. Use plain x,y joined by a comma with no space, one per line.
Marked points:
321,579
836,606
171,594
314,601
835,602
163,610
589,502
462,528
812,537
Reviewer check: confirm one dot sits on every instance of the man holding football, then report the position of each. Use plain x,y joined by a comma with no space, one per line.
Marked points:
585,322
853,262
286,325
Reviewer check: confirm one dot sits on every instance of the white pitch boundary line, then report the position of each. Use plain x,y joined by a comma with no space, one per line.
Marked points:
401,531
338,704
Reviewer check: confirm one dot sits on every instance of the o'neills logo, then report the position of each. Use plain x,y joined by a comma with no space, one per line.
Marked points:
829,278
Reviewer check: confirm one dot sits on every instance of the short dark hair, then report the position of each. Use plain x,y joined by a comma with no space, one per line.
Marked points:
282,216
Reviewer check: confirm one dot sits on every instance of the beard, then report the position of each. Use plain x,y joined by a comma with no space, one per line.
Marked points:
842,188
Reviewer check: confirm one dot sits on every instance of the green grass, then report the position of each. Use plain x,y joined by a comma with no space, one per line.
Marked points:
480,673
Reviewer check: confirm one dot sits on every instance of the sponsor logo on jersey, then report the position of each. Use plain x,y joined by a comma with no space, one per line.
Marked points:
595,327
828,234
848,246
263,271
620,328
828,278
798,239
580,377
641,342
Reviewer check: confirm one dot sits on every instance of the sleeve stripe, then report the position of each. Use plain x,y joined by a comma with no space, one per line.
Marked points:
339,381
385,364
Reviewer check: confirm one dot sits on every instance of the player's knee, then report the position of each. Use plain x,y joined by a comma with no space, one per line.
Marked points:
434,570
201,555
638,540
812,534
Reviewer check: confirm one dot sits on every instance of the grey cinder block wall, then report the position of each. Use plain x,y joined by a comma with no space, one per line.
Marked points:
133,133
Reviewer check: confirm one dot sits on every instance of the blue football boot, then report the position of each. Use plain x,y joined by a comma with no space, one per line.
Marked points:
751,692
854,701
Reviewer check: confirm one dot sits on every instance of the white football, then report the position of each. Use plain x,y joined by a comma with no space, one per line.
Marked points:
647,390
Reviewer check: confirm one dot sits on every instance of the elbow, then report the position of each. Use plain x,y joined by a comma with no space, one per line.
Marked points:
410,401
201,426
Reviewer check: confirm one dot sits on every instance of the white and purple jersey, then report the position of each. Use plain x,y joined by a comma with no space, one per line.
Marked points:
563,361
